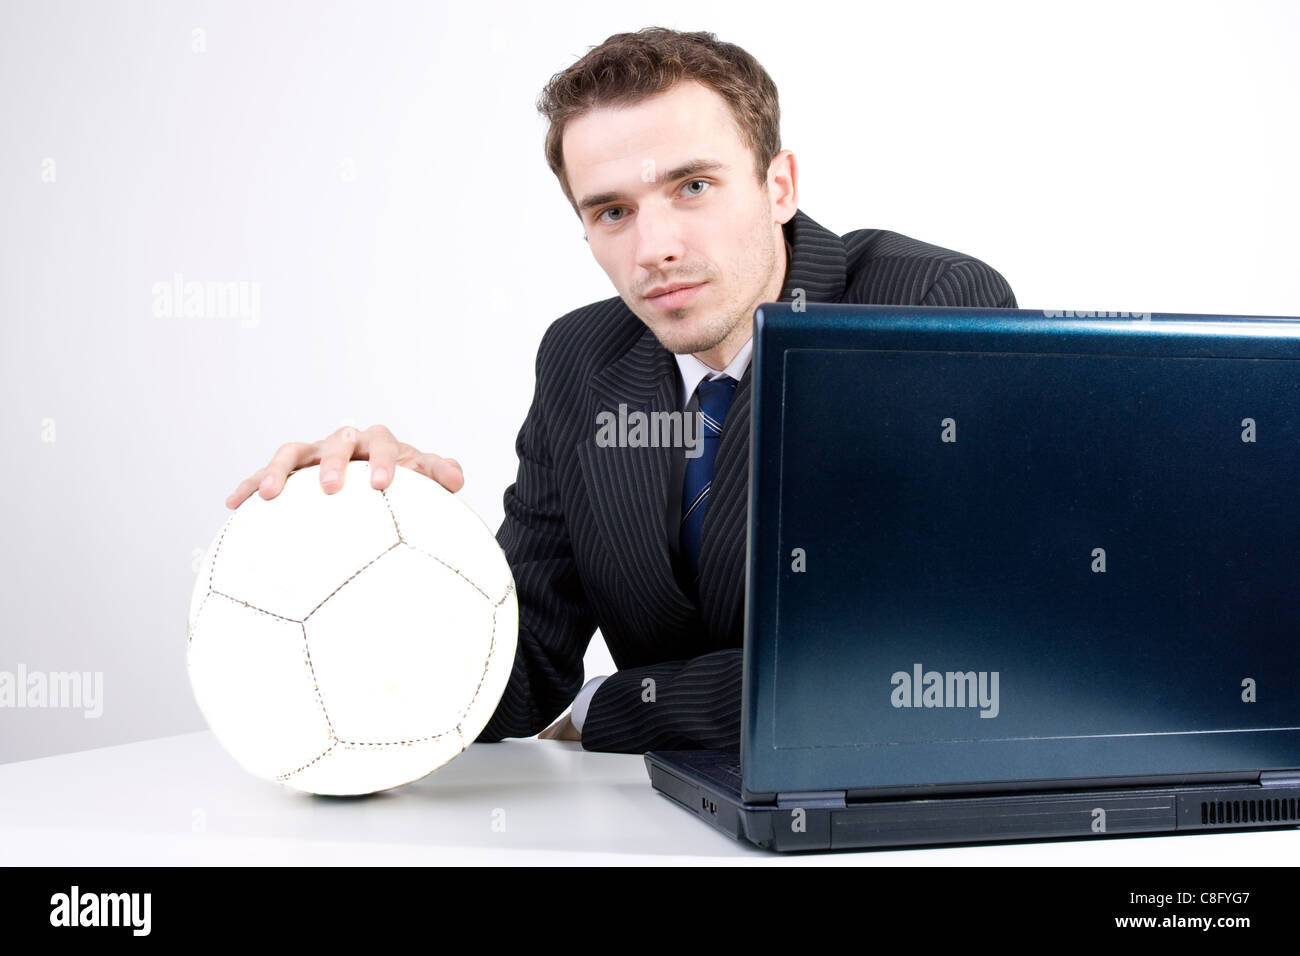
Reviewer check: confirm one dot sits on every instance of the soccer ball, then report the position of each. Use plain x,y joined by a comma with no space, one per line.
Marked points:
353,642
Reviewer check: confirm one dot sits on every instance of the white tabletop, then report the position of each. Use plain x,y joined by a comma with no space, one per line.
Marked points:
183,800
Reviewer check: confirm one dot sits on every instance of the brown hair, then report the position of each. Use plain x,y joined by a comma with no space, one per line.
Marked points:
630,67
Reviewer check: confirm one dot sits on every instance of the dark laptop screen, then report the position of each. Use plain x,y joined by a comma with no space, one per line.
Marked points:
993,545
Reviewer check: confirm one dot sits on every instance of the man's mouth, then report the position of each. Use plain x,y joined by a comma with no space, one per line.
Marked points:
674,294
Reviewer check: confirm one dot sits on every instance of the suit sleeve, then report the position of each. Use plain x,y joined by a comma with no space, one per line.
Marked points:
973,284
676,705
555,621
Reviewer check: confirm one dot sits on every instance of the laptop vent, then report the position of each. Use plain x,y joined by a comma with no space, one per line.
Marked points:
1228,812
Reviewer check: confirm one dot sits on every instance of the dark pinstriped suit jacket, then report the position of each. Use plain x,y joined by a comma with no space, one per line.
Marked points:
585,528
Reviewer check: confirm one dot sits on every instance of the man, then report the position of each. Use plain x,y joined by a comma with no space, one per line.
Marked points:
667,146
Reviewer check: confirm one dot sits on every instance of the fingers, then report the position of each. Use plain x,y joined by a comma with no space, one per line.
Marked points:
244,489
445,471
288,458
378,444
450,475
270,480
335,453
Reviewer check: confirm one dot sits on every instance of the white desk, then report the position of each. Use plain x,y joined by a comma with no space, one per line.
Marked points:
182,800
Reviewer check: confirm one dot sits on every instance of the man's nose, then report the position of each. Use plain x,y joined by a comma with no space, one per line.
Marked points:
658,238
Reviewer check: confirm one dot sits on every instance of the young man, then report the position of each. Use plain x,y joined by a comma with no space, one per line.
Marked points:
667,145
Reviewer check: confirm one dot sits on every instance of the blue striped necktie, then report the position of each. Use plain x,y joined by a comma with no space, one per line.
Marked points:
715,399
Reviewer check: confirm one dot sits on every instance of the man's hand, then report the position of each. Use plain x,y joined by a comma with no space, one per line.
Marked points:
376,444
562,729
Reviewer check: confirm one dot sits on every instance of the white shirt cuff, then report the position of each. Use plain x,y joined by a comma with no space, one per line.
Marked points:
578,713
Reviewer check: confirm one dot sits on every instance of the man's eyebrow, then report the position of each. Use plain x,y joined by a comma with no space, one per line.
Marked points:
691,168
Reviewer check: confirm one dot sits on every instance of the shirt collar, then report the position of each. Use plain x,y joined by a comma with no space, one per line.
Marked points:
694,371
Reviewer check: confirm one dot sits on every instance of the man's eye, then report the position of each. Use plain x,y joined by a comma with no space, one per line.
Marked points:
601,216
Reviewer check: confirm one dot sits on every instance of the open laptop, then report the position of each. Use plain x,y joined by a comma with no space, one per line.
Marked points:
1013,575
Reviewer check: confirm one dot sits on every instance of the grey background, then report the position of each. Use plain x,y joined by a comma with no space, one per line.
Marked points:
378,169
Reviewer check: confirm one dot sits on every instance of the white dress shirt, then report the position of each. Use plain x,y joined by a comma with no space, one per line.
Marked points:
694,371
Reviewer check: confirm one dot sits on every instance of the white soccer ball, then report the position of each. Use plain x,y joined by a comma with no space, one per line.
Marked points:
353,642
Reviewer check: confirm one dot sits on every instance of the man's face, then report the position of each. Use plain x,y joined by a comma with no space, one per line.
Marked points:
652,222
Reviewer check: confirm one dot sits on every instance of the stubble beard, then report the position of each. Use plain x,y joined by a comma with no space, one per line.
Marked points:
714,331
715,328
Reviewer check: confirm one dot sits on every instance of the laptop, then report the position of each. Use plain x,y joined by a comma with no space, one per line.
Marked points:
1013,575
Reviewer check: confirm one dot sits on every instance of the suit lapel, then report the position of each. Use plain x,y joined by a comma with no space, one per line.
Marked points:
628,487
819,265
723,537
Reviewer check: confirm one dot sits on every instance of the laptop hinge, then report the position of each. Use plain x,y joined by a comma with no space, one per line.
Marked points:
1279,778
810,799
